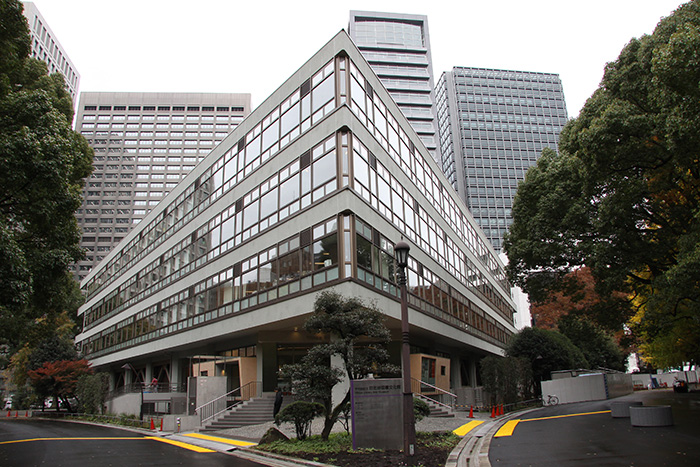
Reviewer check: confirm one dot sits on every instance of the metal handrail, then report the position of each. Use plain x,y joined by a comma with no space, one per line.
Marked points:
437,389
221,404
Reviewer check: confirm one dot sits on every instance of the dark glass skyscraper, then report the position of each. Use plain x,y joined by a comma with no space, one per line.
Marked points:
397,46
493,127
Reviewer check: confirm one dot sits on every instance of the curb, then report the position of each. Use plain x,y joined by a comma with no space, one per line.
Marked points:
473,450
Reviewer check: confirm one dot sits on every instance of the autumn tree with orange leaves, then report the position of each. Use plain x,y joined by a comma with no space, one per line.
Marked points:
59,379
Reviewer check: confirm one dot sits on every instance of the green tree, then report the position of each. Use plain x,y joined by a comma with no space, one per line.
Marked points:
357,335
623,195
599,348
507,379
546,351
91,392
43,163
301,414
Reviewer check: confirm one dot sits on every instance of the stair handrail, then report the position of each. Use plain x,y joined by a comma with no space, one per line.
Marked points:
437,389
209,410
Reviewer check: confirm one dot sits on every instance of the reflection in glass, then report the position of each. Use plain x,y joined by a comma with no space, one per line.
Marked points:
324,169
364,252
326,252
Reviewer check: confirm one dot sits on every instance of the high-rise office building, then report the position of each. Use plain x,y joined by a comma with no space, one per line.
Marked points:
144,143
309,193
45,47
493,127
397,46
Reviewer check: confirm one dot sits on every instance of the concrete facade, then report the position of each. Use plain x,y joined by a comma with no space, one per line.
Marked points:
309,193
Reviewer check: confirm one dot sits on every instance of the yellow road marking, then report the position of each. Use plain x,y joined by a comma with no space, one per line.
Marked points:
69,439
464,429
507,429
564,416
234,442
191,447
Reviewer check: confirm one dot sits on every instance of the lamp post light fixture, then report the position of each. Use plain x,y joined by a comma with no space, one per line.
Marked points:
401,250
129,366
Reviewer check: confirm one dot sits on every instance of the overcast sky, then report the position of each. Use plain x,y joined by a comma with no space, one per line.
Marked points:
253,46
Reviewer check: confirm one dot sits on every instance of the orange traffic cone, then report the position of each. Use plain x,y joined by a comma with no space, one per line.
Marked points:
153,427
8,413
16,414
471,411
26,414
493,411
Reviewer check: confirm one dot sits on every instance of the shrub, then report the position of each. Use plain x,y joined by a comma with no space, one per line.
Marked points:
420,409
301,413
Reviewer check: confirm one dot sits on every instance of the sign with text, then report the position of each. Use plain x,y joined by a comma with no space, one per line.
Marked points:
377,414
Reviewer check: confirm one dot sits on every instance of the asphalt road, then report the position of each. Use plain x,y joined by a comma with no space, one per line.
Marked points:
599,439
26,442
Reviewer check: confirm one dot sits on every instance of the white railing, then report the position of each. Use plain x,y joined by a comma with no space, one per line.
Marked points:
221,404
443,398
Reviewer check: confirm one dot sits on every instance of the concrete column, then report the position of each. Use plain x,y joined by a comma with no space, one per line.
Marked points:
268,360
455,373
148,373
174,371
472,372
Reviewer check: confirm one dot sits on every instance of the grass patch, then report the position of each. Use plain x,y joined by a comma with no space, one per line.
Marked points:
337,442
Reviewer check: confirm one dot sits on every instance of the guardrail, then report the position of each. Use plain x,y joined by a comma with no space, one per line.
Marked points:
224,403
147,388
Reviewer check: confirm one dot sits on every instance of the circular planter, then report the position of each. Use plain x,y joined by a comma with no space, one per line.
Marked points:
659,415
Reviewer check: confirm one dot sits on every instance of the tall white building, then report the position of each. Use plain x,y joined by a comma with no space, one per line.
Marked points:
45,47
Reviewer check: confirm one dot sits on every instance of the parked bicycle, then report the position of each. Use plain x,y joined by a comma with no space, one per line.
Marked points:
551,400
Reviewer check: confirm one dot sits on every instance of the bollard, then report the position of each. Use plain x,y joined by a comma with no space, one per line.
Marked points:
178,424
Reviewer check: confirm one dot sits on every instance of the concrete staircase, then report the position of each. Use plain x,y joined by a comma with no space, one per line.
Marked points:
251,412
436,410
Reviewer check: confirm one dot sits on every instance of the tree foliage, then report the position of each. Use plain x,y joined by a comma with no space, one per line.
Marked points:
599,348
301,414
623,195
59,379
546,351
43,163
507,379
357,335
91,392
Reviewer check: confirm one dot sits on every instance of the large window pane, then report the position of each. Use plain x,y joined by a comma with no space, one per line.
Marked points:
324,169
289,267
323,92
289,190
290,119
250,215
364,252
268,203
326,252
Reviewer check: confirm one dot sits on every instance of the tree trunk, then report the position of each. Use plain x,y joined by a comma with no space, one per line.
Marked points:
330,420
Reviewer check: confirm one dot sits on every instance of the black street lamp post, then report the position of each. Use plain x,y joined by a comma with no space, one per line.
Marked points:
129,366
409,429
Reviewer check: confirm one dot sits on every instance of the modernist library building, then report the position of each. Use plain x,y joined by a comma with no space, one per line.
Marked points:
309,193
